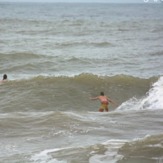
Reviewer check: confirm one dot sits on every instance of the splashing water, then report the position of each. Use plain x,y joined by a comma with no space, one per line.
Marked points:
153,100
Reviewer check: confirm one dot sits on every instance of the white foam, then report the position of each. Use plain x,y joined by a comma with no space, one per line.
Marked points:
46,157
153,99
110,155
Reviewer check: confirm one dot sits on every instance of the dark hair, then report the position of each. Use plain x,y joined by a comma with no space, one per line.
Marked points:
4,77
102,93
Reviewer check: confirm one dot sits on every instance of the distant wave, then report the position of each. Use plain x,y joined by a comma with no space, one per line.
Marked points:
19,56
86,43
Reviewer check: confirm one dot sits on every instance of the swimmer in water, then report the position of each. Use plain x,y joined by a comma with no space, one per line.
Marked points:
104,102
4,78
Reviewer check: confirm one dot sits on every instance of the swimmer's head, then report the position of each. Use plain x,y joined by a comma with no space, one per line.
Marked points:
102,93
4,77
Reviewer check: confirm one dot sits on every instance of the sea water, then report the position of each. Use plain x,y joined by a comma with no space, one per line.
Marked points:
59,55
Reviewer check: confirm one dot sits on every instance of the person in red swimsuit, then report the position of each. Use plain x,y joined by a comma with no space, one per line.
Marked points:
104,102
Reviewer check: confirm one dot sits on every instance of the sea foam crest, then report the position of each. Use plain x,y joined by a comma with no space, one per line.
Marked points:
153,99
45,157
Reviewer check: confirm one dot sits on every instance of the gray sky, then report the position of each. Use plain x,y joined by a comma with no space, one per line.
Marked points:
106,1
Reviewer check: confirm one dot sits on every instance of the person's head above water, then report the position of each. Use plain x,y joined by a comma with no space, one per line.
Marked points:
4,77
102,93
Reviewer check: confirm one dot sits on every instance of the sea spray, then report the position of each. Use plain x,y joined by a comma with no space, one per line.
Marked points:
152,100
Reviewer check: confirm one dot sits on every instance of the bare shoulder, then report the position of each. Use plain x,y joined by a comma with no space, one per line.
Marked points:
3,81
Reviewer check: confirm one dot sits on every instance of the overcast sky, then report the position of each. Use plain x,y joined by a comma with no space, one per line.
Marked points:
106,1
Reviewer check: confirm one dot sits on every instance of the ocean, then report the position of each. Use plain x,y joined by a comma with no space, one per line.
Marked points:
57,56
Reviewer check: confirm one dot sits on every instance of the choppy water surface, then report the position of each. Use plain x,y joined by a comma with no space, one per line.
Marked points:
56,56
